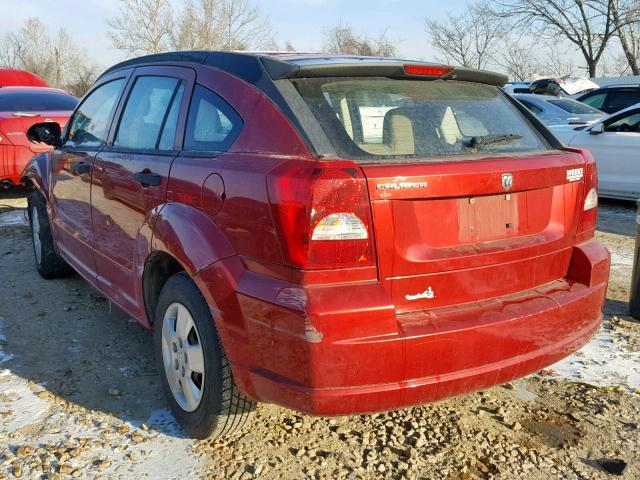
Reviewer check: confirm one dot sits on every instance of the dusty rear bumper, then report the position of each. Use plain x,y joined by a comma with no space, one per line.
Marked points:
429,355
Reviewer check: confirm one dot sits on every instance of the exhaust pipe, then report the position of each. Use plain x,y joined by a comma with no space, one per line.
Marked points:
6,184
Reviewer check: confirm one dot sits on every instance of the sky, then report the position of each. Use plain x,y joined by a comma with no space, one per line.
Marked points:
302,22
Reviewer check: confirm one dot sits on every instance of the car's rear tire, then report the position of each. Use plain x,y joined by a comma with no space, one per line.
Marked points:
206,403
48,262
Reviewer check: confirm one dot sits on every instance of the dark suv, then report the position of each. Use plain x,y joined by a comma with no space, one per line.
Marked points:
333,234
613,98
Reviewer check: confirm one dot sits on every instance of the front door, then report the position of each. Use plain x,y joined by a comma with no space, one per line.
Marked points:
71,176
616,154
130,177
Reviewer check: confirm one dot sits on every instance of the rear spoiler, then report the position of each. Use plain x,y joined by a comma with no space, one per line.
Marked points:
278,70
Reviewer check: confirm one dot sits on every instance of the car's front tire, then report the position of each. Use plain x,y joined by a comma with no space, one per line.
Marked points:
195,372
48,262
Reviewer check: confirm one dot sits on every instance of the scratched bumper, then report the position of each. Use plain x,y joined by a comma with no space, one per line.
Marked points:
362,357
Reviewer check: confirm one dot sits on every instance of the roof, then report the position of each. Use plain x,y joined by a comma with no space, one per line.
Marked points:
20,77
254,66
621,85
32,89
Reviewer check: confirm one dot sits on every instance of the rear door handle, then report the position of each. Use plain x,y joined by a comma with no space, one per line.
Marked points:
148,178
81,168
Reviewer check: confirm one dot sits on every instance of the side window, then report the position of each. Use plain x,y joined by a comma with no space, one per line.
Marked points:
596,101
212,124
145,112
90,123
533,108
624,98
628,123
168,137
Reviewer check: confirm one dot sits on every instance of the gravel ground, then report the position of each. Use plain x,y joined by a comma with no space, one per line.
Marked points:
80,398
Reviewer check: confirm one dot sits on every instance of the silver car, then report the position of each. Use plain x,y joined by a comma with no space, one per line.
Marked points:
555,111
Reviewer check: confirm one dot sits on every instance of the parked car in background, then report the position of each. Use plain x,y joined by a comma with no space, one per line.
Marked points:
232,203
20,78
566,86
516,87
20,108
559,110
613,98
615,144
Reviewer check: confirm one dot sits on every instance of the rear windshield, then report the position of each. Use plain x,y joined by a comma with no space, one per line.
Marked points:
36,101
378,118
573,106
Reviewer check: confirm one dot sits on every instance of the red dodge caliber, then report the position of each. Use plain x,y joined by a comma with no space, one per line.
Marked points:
336,235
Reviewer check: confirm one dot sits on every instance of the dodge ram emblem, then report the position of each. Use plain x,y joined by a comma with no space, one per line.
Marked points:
507,181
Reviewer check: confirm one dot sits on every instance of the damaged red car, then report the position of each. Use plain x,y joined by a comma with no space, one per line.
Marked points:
20,108
336,235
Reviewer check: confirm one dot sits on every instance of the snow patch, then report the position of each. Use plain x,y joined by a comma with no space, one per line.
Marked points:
13,218
166,451
16,398
621,259
605,361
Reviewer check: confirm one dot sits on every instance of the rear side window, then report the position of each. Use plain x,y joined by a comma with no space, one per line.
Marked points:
572,106
36,102
168,138
534,108
378,118
145,112
624,98
90,123
212,125
596,101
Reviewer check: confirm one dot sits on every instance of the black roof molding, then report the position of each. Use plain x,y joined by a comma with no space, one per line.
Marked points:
190,57
252,67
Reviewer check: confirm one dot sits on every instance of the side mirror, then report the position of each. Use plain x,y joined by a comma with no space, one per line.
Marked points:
597,129
46,132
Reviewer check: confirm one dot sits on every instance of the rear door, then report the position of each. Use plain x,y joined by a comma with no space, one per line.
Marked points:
131,174
72,169
621,98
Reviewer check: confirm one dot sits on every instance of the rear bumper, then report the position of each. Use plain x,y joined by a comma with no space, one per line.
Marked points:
343,350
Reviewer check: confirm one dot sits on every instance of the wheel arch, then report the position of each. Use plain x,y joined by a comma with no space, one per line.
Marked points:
184,239
37,173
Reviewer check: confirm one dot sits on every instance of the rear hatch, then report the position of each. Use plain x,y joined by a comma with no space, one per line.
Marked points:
471,197
451,233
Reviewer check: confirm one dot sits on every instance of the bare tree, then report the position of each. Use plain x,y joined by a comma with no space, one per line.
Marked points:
56,58
517,61
243,26
588,24
557,63
471,39
626,19
142,26
342,40
152,26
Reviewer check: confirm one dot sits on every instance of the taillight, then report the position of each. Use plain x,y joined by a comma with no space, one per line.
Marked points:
322,213
589,214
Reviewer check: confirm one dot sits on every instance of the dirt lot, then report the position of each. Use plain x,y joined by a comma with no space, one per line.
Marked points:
80,398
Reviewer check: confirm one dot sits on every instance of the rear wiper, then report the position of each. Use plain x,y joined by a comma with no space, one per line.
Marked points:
476,141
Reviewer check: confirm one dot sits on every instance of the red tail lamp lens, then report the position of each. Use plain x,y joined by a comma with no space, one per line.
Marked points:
323,214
